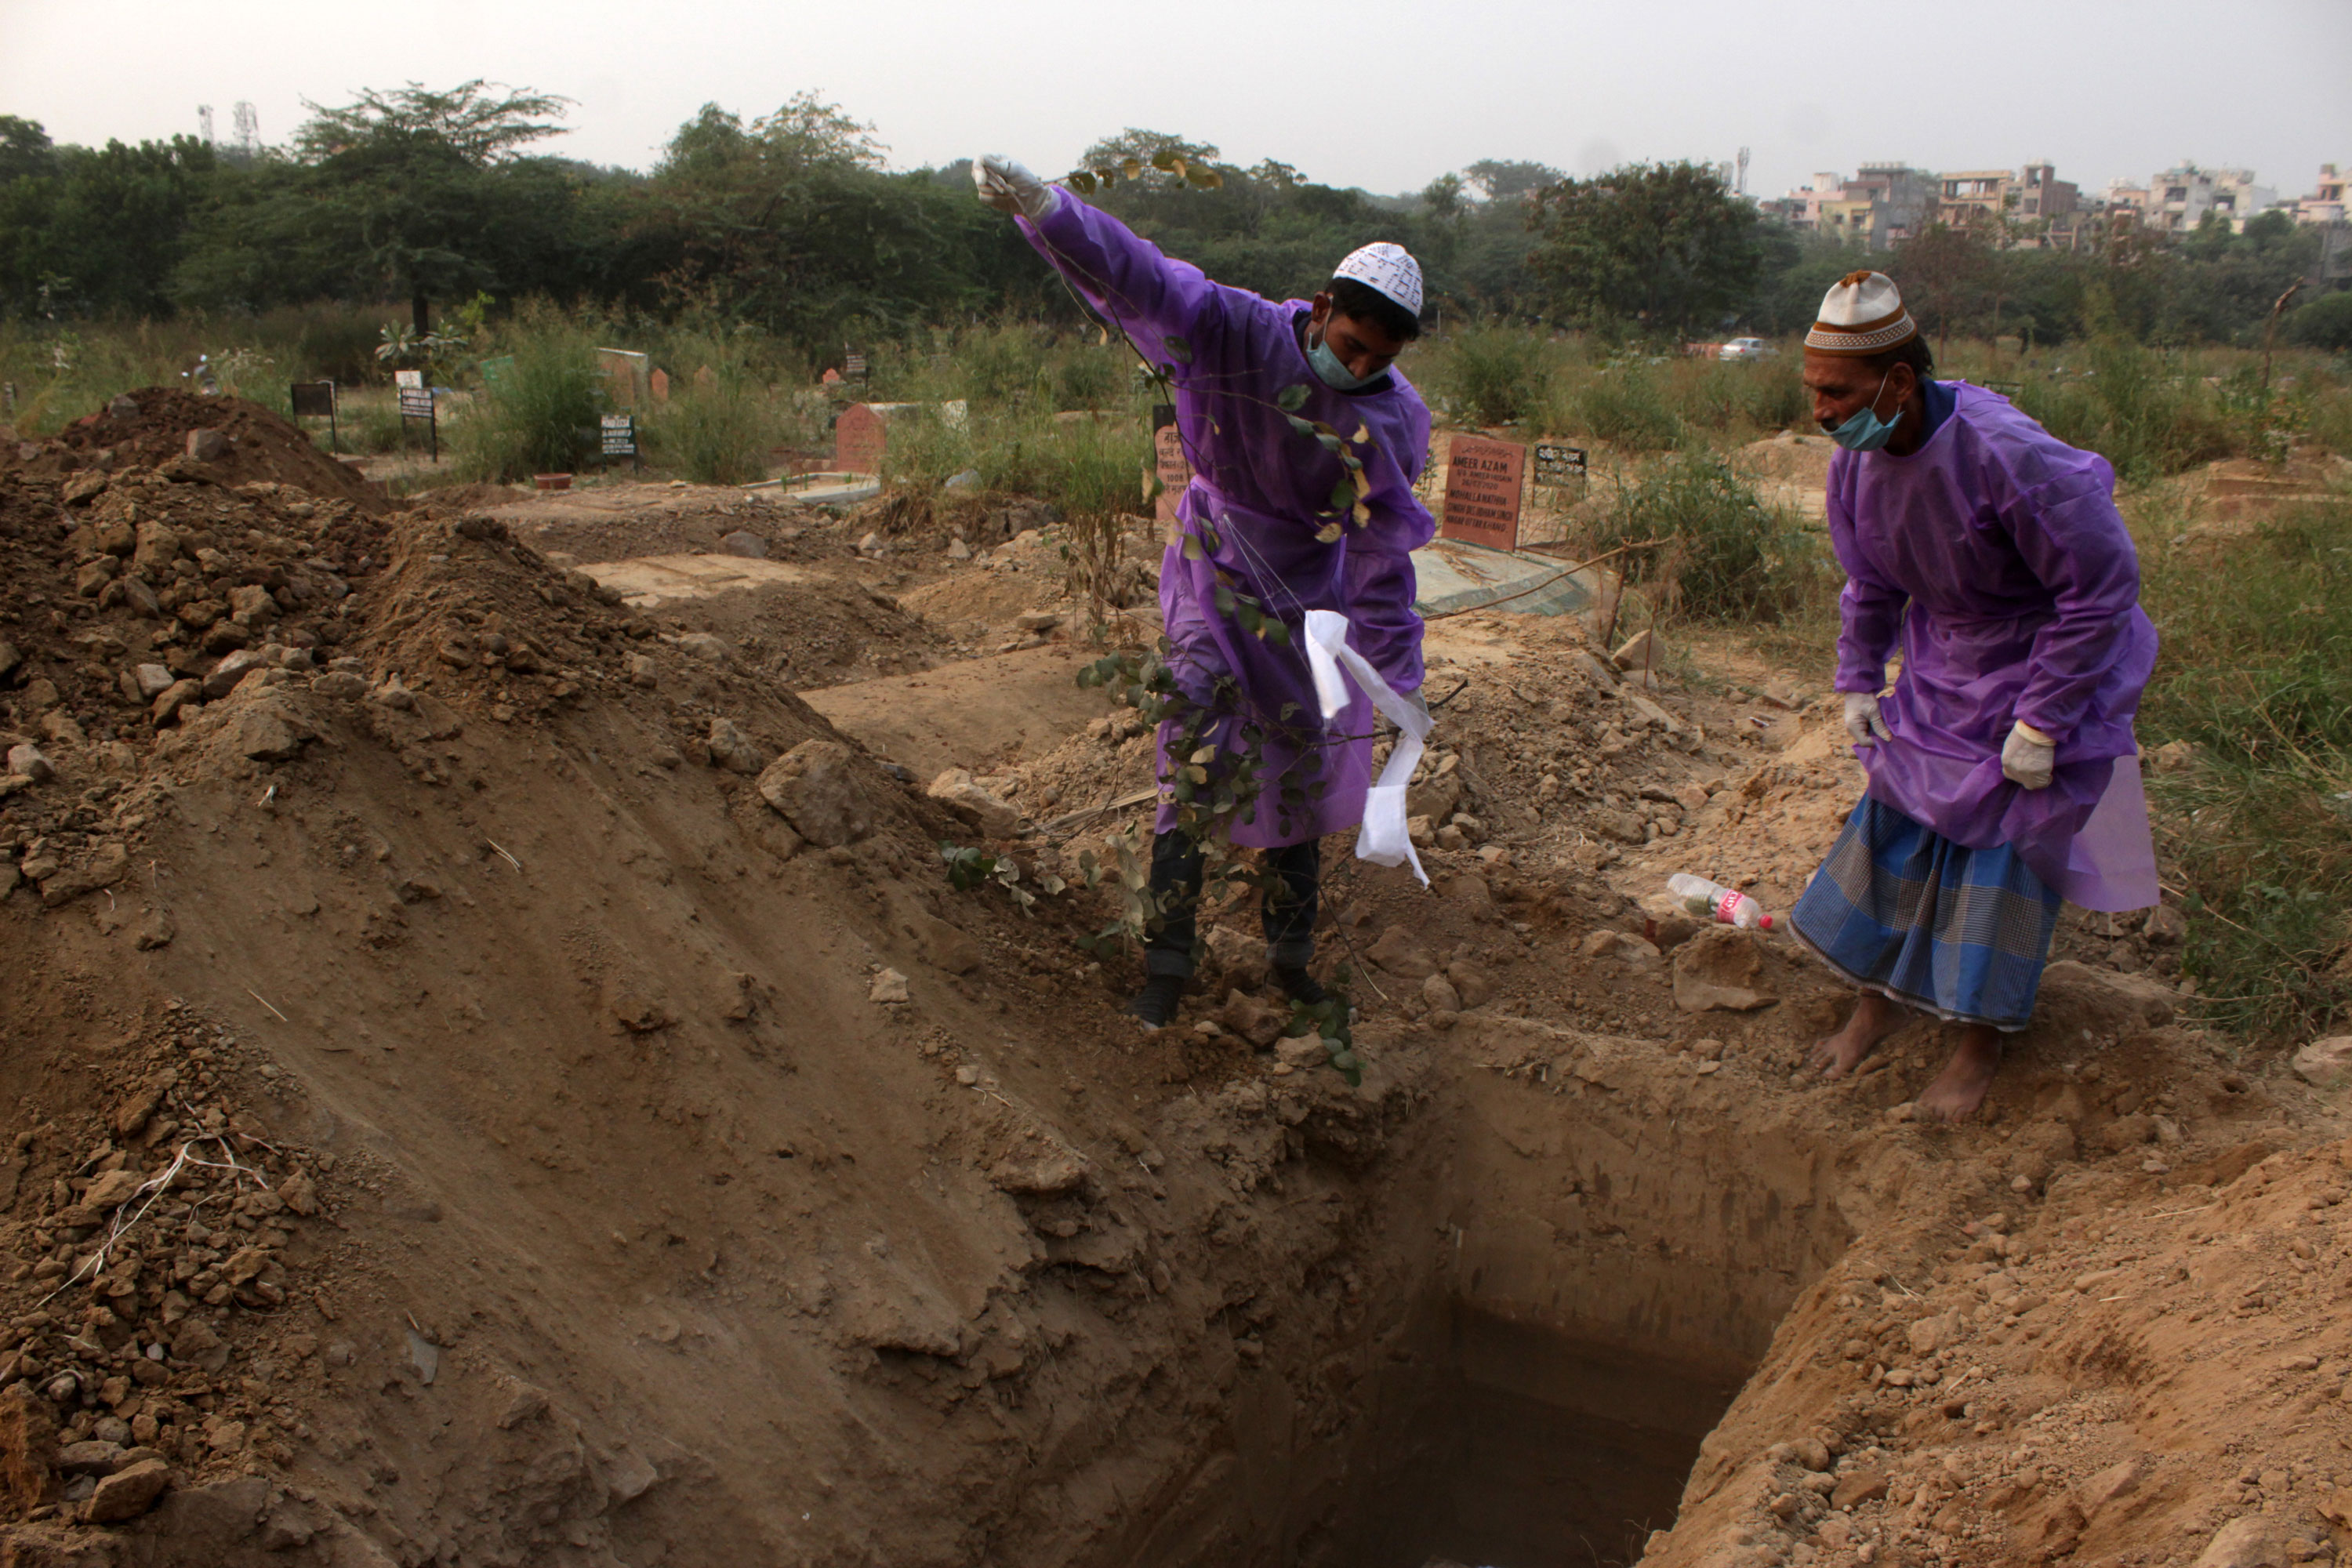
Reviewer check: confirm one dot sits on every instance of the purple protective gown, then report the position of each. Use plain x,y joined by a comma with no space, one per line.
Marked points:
1259,485
2022,588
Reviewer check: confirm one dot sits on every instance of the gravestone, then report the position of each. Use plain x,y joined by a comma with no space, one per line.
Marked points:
660,380
1171,466
705,378
858,439
1482,491
631,374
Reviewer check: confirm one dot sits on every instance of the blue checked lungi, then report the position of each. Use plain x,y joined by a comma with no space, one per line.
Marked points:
1901,909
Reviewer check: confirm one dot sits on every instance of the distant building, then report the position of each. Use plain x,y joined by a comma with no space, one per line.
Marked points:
1976,195
2324,210
2045,195
1885,203
2180,198
1880,207
2037,207
2326,202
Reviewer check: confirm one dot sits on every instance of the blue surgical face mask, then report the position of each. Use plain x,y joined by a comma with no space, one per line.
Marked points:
1866,432
1334,375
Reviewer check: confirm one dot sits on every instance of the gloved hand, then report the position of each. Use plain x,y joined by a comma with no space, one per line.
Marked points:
1010,188
2028,756
1862,721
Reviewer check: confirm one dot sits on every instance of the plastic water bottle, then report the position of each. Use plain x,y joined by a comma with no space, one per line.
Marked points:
1714,901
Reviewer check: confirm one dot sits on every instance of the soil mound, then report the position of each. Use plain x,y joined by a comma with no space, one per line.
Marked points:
149,428
1787,458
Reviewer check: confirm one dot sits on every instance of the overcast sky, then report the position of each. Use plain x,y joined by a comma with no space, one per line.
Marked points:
1374,93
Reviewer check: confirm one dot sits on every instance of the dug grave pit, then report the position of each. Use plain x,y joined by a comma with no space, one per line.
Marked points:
1572,1266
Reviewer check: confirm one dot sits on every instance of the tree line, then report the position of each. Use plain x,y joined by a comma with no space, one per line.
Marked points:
792,221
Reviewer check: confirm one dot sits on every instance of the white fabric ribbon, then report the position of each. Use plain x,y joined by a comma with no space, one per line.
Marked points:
1383,839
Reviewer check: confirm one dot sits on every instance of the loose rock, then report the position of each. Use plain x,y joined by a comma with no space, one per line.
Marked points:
25,761
1717,969
129,1492
958,791
815,787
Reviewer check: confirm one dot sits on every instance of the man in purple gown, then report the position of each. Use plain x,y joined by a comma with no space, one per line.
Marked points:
1262,530
2004,778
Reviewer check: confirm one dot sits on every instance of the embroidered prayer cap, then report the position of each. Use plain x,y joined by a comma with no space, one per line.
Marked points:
1861,314
1388,269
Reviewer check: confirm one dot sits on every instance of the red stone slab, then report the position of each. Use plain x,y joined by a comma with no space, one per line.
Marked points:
1482,491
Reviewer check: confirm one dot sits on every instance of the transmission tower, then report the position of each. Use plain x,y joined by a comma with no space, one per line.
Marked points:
248,129
204,118
1741,189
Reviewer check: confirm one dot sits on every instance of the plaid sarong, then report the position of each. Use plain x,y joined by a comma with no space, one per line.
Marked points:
1901,909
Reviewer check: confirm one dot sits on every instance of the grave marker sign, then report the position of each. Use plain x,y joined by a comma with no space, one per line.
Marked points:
417,402
859,436
316,400
1558,467
617,438
1482,491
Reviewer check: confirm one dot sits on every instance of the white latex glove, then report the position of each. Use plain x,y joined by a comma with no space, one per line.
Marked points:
2028,756
1862,721
1011,188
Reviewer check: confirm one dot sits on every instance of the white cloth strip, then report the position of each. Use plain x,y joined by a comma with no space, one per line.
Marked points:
1384,839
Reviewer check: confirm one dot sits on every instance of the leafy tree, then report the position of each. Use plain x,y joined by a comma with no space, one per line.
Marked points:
1949,275
420,188
790,222
101,230
26,152
470,120
1502,179
1662,245
1443,199
2325,324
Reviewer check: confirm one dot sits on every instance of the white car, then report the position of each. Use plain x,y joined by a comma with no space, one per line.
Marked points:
1746,348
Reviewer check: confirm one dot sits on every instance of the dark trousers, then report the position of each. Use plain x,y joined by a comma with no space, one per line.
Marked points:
1288,906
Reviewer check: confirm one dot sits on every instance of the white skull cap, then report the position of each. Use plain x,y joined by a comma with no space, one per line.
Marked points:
1388,269
1861,314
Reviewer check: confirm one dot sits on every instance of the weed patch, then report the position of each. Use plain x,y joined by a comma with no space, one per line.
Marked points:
1723,554
2255,673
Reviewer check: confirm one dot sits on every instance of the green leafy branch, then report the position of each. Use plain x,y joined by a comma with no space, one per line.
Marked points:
1193,172
969,867
1331,1020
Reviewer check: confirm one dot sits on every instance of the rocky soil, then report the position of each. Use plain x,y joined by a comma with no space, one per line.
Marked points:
497,1075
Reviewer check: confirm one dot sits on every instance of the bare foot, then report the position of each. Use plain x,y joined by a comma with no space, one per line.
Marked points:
1960,1088
1874,1017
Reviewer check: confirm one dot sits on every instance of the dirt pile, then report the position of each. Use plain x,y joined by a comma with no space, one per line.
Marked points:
1787,458
151,428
